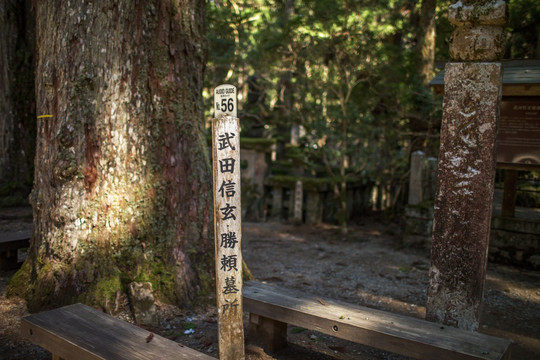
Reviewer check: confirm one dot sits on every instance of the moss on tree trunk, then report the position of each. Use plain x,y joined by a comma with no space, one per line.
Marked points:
122,180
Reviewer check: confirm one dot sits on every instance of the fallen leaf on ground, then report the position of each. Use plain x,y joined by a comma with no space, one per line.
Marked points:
322,301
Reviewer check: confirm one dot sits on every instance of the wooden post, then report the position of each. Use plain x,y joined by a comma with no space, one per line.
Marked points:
509,195
298,202
227,224
416,181
270,334
466,171
431,179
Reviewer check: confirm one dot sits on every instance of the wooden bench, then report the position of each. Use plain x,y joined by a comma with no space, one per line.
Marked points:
10,243
272,308
81,332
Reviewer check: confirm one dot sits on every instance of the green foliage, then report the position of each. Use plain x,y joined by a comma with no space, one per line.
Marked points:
257,143
523,29
344,71
297,330
341,61
528,189
105,289
528,196
14,193
18,283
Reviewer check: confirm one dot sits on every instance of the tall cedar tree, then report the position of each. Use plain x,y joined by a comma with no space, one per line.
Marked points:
122,174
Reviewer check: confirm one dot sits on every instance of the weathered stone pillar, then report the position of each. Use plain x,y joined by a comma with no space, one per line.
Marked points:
466,164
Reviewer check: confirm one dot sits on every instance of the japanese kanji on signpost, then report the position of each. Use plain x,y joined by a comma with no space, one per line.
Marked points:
227,223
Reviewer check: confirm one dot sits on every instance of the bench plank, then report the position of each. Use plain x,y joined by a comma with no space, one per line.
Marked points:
10,243
83,333
387,331
15,239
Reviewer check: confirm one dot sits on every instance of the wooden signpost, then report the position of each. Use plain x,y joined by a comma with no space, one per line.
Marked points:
227,223
298,201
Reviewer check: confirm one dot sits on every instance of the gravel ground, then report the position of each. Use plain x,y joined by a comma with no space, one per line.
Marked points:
369,267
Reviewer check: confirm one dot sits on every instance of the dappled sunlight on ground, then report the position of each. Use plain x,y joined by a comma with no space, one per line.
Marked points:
372,268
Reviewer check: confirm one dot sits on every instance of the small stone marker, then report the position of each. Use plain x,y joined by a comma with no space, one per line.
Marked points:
141,298
227,224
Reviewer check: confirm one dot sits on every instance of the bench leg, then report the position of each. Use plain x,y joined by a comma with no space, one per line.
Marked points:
270,334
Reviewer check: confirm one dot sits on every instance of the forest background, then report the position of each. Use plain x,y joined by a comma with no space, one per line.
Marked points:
346,82
347,78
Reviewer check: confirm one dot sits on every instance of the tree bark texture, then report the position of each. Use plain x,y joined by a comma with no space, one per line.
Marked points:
122,182
17,102
465,181
426,41
467,161
425,63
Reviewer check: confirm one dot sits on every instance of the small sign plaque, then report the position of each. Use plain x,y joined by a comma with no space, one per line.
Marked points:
225,101
518,141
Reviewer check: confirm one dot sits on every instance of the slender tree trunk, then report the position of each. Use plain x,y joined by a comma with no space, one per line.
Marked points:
17,104
342,213
122,181
425,59
286,99
426,41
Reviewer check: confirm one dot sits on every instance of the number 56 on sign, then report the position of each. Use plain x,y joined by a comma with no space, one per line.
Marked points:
225,101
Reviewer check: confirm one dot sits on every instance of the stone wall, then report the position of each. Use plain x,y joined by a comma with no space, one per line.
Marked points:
513,241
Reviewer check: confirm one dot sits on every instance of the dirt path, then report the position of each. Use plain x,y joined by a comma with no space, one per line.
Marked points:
369,268
372,269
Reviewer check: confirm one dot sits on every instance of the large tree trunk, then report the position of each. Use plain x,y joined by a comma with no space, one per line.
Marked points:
122,180
17,105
